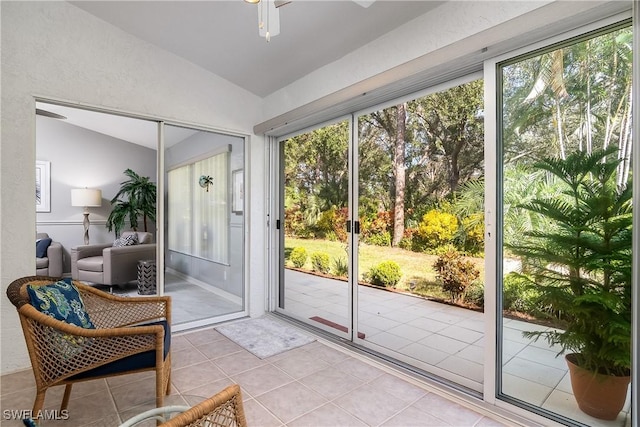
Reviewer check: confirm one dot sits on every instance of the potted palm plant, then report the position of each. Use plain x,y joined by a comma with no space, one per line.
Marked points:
581,267
136,198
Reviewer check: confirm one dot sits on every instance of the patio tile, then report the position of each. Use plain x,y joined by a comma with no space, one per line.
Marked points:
464,367
544,357
390,341
426,354
533,371
443,343
461,334
428,324
409,332
444,317
474,352
524,389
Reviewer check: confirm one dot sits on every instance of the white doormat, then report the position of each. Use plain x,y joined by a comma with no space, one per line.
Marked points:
265,337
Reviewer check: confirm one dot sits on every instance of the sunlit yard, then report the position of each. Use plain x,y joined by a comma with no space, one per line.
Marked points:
417,268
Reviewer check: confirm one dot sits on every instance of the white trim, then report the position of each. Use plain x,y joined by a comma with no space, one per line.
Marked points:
490,242
635,399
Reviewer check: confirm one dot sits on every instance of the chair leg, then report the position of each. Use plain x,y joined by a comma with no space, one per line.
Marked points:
39,402
65,398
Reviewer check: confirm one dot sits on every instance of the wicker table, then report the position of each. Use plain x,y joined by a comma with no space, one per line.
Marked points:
147,277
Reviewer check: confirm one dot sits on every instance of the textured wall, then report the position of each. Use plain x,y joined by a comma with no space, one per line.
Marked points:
55,50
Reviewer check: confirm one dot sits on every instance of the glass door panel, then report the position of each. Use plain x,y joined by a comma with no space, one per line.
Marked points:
204,240
420,213
314,282
566,212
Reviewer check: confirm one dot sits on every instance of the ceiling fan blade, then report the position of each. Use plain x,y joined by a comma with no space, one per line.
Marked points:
46,113
269,16
364,3
279,3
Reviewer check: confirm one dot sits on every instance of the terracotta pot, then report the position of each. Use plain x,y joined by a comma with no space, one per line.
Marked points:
601,396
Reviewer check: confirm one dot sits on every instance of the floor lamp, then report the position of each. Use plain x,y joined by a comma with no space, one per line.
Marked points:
86,198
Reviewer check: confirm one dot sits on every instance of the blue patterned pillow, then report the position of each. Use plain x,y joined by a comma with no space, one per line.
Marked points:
62,301
41,247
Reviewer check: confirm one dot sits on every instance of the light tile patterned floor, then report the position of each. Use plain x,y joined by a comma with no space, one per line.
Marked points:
315,385
448,338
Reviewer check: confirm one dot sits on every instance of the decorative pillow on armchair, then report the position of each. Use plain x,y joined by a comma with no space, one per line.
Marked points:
41,247
128,240
62,301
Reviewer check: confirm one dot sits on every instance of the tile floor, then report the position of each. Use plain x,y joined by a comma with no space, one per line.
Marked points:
319,384
448,340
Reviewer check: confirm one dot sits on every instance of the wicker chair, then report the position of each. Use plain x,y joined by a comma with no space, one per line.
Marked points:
224,409
131,335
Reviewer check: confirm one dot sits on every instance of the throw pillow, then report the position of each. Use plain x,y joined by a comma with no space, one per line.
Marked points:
128,240
62,301
41,247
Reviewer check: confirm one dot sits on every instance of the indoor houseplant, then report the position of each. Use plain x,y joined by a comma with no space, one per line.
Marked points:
581,266
136,197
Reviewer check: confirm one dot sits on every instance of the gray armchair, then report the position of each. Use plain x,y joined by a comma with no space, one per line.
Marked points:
52,264
108,265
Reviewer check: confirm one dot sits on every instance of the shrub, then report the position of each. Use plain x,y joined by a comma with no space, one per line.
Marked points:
436,229
475,294
298,256
320,262
473,233
518,294
340,267
455,273
387,273
382,238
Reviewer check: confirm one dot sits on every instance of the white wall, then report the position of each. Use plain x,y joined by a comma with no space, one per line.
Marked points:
83,158
57,51
453,30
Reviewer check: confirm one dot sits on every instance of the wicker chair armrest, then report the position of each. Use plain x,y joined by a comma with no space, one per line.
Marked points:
112,311
73,330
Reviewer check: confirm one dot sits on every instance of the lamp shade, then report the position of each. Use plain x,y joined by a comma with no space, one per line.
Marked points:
90,197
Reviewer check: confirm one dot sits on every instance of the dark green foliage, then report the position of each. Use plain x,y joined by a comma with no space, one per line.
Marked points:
475,294
387,273
518,294
455,273
138,199
582,265
320,262
340,267
298,257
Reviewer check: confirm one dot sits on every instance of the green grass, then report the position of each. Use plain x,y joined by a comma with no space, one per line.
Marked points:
416,267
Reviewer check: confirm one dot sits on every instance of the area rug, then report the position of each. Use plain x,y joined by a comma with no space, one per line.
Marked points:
264,337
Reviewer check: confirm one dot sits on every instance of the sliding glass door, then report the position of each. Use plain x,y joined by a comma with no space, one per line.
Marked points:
314,194
204,239
565,168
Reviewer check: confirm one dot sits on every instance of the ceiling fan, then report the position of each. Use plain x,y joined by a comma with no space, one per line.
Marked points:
269,16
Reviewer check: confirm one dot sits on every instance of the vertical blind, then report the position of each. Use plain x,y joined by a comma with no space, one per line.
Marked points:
198,220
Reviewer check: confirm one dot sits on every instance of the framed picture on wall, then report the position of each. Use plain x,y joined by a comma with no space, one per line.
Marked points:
43,186
237,191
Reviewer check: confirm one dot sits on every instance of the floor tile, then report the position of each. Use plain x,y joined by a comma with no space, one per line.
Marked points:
327,415
264,378
371,406
291,401
330,382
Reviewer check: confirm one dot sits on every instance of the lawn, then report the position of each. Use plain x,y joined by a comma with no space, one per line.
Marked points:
416,267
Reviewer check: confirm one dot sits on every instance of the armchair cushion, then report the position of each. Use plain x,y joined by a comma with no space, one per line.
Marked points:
92,263
41,247
62,301
133,362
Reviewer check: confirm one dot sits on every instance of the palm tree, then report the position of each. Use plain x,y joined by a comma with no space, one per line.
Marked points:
139,195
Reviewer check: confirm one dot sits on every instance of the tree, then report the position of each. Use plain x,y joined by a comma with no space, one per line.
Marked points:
139,199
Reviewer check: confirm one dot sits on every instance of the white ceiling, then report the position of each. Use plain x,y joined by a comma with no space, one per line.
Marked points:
222,35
